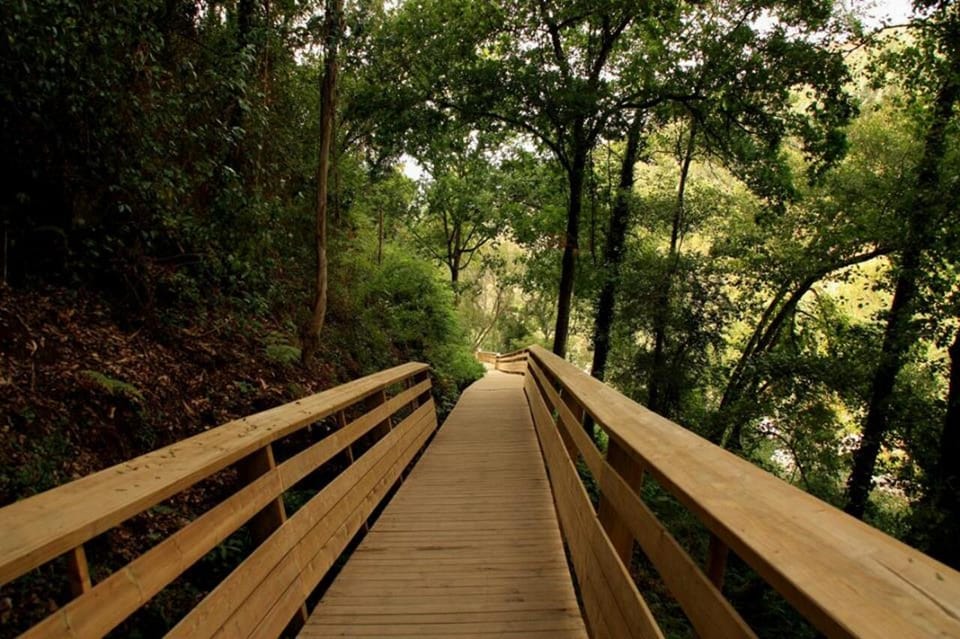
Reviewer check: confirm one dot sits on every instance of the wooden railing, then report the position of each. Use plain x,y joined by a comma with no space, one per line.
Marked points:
487,357
846,578
385,418
515,362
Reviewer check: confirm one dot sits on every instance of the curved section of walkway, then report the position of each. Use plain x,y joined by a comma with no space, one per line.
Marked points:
470,545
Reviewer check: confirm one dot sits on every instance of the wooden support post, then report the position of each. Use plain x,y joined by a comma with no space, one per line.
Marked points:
274,514
415,403
632,473
717,555
372,402
423,397
78,572
389,420
578,413
341,424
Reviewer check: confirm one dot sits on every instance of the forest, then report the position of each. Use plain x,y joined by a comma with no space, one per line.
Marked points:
742,214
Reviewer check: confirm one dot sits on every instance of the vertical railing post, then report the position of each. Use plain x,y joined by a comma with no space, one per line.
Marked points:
717,555
631,472
341,424
425,395
274,514
578,413
372,402
78,572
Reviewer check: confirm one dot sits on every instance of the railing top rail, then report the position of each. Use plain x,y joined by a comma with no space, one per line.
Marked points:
846,577
44,526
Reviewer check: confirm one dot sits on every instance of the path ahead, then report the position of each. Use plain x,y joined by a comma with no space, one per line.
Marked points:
470,545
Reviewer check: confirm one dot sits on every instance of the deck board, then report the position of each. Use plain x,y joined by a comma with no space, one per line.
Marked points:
470,545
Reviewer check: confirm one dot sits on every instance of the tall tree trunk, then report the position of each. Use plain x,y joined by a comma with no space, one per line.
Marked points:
900,332
246,20
455,255
661,311
944,544
380,237
568,264
328,107
613,253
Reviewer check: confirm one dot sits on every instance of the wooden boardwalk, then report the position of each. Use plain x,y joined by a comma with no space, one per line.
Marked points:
470,545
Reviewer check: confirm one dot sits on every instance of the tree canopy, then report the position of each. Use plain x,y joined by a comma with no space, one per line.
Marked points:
741,213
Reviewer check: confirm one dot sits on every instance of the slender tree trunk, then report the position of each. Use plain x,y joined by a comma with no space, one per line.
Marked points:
246,20
765,337
661,311
944,544
900,332
493,321
380,237
328,107
568,264
613,253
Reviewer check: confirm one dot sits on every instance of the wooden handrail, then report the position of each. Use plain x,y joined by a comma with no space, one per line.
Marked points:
293,554
846,578
515,362
487,357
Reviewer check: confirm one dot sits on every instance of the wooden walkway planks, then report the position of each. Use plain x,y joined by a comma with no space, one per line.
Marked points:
470,545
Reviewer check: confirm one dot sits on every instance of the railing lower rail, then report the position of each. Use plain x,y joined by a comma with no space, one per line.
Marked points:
846,578
389,415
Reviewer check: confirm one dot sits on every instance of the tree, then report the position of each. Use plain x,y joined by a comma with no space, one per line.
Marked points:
613,251
462,207
662,305
328,106
940,40
567,73
842,220
947,489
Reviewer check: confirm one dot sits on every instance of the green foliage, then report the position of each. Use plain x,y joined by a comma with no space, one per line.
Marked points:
114,387
278,349
409,309
165,154
43,468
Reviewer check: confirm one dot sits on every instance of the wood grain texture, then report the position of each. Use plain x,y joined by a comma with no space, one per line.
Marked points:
470,544
610,596
706,608
848,579
313,524
40,528
112,600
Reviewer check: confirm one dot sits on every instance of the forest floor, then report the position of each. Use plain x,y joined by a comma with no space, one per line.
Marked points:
81,389
72,376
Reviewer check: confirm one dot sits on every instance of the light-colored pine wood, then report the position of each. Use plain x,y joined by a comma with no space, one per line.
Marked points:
274,514
317,553
40,528
470,543
120,594
220,605
848,579
717,554
486,357
708,611
610,596
620,461
78,572
99,608
515,362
